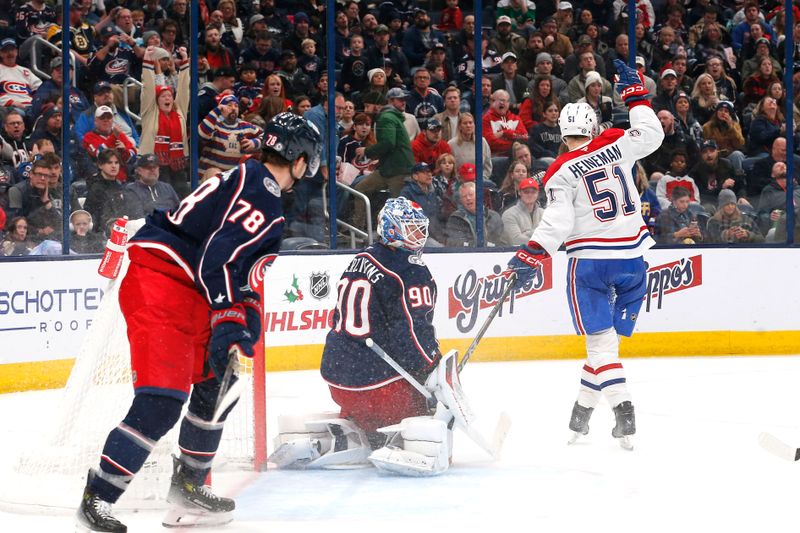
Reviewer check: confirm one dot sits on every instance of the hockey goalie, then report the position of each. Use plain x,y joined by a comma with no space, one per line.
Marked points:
397,410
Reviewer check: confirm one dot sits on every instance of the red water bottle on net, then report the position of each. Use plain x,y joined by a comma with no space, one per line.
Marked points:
115,250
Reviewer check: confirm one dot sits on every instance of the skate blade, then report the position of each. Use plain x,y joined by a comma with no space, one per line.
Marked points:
625,442
180,517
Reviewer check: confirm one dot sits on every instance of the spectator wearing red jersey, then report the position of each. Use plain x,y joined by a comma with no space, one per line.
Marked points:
501,127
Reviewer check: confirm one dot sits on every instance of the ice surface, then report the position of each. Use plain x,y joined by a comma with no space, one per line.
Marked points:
696,465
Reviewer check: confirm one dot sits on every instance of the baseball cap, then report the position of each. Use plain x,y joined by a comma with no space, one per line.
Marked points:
438,46
640,61
433,124
396,92
421,167
543,56
527,183
7,42
504,19
708,143
224,72
147,160
56,62
108,31
584,39
381,28
509,55
287,53
101,86
668,72
762,40
467,172
103,110
725,104
300,16
255,18
563,6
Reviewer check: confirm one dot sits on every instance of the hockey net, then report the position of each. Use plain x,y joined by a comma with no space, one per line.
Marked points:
96,398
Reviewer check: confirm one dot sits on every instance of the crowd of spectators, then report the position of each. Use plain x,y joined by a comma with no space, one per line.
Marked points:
405,109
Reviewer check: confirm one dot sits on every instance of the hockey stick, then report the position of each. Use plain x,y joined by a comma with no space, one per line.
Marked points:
503,423
229,392
776,446
509,287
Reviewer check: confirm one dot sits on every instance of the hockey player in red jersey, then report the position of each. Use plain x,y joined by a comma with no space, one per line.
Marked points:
594,210
187,302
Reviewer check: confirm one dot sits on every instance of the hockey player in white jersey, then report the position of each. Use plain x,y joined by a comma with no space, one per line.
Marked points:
594,210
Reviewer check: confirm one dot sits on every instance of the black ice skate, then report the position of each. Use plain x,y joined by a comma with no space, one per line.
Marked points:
193,504
579,421
626,424
94,514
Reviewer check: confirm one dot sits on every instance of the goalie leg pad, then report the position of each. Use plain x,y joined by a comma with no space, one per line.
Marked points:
323,443
425,448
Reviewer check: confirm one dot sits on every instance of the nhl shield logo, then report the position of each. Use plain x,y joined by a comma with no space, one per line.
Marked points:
320,285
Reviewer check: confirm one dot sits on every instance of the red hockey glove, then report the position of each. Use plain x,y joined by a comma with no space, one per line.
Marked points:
228,331
526,262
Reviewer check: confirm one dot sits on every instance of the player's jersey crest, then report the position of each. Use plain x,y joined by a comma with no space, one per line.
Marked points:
272,186
416,259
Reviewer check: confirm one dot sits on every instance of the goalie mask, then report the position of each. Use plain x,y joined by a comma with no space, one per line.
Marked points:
292,136
578,119
403,224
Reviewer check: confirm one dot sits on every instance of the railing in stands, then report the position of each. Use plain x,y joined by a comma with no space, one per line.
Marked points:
352,230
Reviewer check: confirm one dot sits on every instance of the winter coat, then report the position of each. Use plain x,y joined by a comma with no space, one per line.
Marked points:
670,221
150,111
518,223
510,125
393,149
461,230
719,228
709,179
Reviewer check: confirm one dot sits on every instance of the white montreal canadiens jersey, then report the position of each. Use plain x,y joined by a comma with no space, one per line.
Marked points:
593,203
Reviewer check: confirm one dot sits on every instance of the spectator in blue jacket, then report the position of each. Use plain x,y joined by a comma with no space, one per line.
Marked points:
420,189
416,37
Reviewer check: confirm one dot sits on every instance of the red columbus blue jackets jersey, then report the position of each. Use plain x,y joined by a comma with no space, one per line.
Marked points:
219,232
389,295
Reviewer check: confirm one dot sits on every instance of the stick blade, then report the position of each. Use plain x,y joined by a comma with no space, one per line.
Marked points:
777,447
500,433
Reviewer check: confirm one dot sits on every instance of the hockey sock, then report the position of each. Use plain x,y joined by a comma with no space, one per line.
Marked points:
589,391
129,444
199,438
602,350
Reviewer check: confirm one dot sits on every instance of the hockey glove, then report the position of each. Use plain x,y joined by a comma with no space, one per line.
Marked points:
630,85
254,314
526,262
228,331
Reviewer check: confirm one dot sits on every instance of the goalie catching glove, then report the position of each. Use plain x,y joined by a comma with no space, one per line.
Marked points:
229,331
526,262
630,85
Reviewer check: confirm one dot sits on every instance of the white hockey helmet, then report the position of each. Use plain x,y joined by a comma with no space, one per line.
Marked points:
578,119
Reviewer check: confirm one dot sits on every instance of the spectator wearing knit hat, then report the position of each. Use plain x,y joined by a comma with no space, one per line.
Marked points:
576,89
164,112
227,137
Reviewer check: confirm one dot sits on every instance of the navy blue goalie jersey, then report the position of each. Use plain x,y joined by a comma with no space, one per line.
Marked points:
388,295
219,232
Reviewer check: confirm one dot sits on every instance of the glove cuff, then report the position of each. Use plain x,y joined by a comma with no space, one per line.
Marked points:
235,314
253,304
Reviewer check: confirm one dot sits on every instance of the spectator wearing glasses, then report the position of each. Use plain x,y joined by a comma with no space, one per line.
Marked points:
501,127
13,150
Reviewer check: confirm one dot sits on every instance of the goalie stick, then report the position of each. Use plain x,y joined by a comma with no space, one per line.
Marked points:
509,287
502,427
776,446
